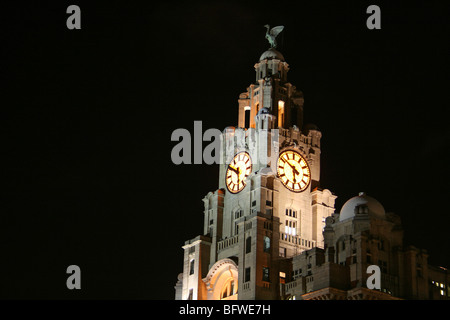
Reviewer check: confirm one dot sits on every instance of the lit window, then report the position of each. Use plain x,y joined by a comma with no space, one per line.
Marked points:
289,227
282,277
442,292
281,113
228,289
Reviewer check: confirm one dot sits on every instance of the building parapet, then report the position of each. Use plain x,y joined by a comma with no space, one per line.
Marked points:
226,243
303,243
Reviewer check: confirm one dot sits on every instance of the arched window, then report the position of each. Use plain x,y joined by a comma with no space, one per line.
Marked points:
280,113
228,289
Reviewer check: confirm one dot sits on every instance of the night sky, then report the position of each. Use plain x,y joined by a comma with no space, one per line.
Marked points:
87,118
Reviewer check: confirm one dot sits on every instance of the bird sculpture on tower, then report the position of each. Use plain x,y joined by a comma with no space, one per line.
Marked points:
272,34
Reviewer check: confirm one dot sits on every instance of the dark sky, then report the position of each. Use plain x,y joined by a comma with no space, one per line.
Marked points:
87,117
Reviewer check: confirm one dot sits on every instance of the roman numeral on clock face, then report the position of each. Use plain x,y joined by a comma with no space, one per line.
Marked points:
237,171
293,170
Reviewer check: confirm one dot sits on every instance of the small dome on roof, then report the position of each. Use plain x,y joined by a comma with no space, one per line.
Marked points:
263,110
375,209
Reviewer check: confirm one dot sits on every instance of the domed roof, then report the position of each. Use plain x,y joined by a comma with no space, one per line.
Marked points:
271,54
375,208
263,110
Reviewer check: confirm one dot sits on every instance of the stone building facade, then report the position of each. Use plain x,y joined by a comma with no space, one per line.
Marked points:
272,232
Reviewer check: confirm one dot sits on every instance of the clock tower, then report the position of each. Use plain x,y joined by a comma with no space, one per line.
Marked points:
269,205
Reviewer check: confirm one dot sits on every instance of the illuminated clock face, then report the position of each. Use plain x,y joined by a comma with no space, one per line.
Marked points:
237,172
293,170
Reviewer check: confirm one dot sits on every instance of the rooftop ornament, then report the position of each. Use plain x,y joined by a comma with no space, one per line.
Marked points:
272,34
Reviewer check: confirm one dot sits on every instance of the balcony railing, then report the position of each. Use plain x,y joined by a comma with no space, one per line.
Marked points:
306,244
226,243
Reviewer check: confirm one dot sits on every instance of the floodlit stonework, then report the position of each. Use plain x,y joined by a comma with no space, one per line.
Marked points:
269,241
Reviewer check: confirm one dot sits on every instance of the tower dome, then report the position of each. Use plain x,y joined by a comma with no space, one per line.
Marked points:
374,207
264,119
272,53
263,110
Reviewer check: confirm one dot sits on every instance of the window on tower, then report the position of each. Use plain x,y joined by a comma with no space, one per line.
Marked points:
266,244
192,267
247,117
247,274
291,213
281,113
248,245
265,275
290,227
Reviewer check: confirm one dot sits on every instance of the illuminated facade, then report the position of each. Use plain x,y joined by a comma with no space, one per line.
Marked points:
270,230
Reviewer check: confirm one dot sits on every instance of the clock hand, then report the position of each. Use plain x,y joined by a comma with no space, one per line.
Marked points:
237,171
238,175
234,169
293,169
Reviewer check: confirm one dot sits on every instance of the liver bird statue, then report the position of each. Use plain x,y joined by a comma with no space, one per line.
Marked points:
272,34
